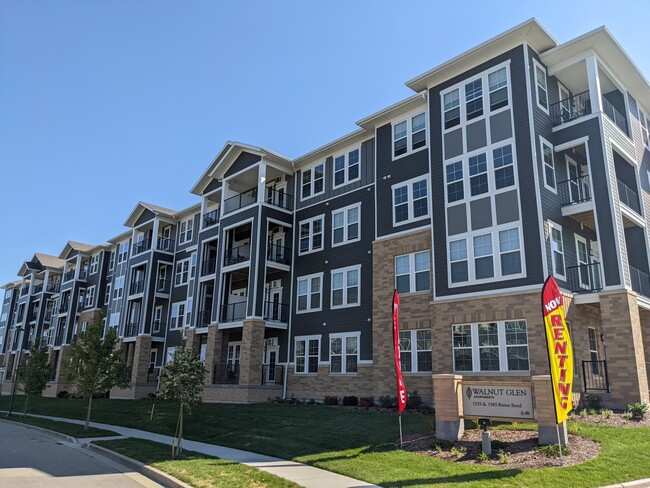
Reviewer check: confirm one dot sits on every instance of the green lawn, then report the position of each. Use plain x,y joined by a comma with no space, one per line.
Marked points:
194,468
359,443
62,427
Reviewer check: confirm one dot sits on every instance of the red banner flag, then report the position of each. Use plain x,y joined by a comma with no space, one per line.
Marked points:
401,389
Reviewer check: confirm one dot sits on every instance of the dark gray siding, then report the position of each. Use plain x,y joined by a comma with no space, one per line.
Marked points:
243,161
195,232
213,185
146,216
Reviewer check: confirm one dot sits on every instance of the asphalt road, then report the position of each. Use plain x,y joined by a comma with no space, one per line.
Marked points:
31,459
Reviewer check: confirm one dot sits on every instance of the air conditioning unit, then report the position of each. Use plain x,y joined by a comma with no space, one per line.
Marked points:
276,284
272,342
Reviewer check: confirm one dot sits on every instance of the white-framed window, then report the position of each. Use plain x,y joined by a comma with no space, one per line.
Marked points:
458,264
345,225
107,295
644,122
84,325
478,174
490,347
510,252
412,272
188,311
310,293
157,318
582,258
483,256
344,352
185,231
182,272
122,252
312,181
346,167
346,287
498,87
593,345
114,320
557,249
410,201
307,354
410,134
118,291
90,296
504,170
415,350
451,106
455,185
474,99
541,86
177,315
111,261
311,235
170,354
193,264
94,264
548,160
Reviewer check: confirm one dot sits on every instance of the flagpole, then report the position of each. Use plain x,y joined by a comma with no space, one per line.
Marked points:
400,431
559,443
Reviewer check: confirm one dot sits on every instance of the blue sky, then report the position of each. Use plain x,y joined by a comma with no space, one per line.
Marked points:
104,103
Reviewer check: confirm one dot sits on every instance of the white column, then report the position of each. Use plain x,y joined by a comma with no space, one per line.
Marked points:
154,235
594,84
261,183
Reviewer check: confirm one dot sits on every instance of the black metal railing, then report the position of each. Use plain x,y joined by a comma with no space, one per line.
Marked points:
53,287
24,290
203,318
208,266
279,199
83,274
584,278
575,190
33,316
277,312
628,196
158,325
136,287
152,375
165,244
225,375
132,329
58,340
240,200
38,288
64,307
640,281
210,218
595,376
279,254
48,315
615,116
233,312
237,254
570,108
142,246
69,275
163,286
272,374
80,305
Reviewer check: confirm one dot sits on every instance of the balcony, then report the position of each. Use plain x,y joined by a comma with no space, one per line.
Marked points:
69,276
614,115
640,281
279,254
58,340
136,287
575,190
240,200
33,316
48,315
233,312
24,290
279,199
158,326
628,196
225,375
272,374
163,286
141,246
210,218
53,287
203,318
132,329
571,108
165,244
64,308
83,274
38,288
276,312
584,278
238,254
208,266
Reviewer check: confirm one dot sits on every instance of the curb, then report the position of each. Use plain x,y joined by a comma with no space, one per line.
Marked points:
144,469
631,484
42,430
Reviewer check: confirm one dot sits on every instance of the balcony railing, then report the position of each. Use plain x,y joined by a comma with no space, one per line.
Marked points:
276,312
210,218
640,281
81,305
152,375
165,244
24,290
233,312
272,374
58,340
38,288
53,287
237,254
163,286
69,275
617,117
64,307
240,200
136,287
48,315
628,196
584,278
570,108
208,266
203,318
33,316
279,254
225,375
575,190
83,274
132,329
595,376
279,199
142,246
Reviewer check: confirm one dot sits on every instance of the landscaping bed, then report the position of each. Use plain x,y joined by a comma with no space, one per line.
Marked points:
613,419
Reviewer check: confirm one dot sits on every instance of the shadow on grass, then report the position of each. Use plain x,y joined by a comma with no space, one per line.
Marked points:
461,478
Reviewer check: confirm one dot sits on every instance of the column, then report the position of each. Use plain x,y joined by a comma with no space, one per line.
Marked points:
141,360
448,401
594,84
545,412
252,351
213,351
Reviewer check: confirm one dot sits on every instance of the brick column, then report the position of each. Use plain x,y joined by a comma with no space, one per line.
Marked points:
448,399
193,341
213,351
252,350
625,356
141,360
545,412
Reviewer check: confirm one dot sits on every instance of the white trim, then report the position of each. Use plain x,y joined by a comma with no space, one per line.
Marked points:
537,64
184,230
177,315
553,226
345,154
409,202
91,295
344,336
310,222
309,279
306,339
413,333
346,224
407,119
310,169
543,142
412,272
345,286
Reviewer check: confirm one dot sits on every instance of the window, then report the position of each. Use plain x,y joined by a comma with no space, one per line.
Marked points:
114,320
307,354
84,325
188,315
557,249
415,350
490,347
193,265
344,352
458,261
185,231
474,99
178,314
582,258
94,264
107,296
455,182
644,121
345,287
416,126
451,102
504,171
313,181
346,168
498,86
593,351
410,201
123,252
483,259
171,351
90,297
549,166
182,272
541,87
478,178
119,288
311,235
345,225
310,293
111,262
412,272
510,253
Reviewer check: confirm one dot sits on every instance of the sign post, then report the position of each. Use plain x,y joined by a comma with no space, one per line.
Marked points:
401,389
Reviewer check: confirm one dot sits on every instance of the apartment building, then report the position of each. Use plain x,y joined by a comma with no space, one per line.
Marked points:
518,159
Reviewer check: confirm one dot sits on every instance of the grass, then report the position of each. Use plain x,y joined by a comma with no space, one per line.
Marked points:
61,427
360,443
194,468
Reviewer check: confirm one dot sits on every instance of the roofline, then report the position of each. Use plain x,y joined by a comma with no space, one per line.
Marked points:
326,148
396,108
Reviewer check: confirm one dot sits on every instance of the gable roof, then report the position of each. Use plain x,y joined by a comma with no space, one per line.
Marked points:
141,206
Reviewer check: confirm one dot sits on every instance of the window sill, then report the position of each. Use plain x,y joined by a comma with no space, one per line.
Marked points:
493,373
342,375
305,375
408,153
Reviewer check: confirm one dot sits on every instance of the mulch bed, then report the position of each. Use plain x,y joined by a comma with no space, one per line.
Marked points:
616,419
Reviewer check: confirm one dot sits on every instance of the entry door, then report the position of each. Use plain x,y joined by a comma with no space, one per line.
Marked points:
157,318
582,256
278,247
565,104
234,355
271,361
272,304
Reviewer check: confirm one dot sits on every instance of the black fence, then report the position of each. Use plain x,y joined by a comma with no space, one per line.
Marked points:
225,375
279,254
584,278
233,312
594,374
570,108
272,374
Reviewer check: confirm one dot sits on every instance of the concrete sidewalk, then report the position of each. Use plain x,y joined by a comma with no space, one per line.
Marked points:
301,474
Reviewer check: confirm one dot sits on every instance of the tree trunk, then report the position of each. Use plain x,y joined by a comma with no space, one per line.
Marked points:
25,406
90,406
180,432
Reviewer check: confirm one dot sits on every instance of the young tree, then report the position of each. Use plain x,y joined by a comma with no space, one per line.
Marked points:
35,373
182,379
96,365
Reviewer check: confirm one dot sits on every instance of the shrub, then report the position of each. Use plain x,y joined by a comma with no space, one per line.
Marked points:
350,401
458,451
441,445
388,401
638,410
414,400
366,402
594,402
552,450
331,400
573,428
311,402
482,457
63,394
605,414
504,457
